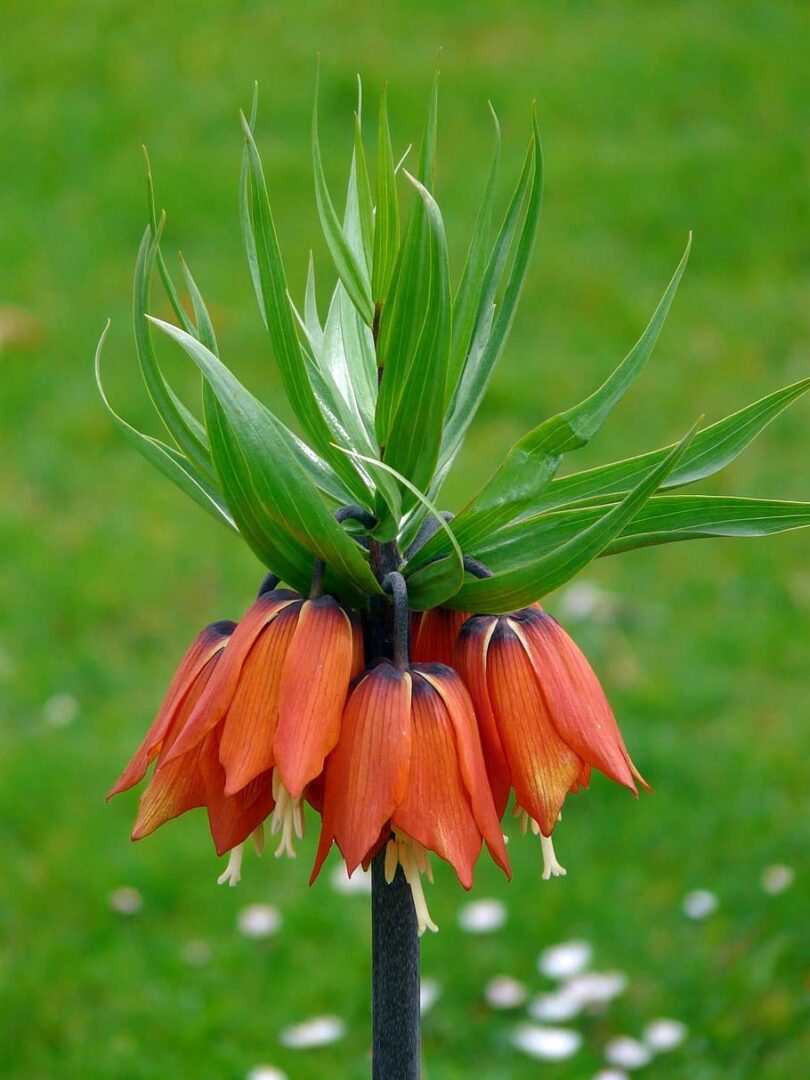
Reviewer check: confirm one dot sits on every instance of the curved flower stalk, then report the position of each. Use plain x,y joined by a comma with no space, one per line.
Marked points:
419,754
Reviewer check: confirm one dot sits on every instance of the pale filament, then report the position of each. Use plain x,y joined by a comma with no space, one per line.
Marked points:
287,820
551,866
233,871
402,851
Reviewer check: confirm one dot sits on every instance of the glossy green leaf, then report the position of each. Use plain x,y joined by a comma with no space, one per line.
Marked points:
664,519
510,261
267,271
164,458
358,218
531,463
386,226
468,296
278,487
522,585
414,437
163,270
713,448
352,270
182,425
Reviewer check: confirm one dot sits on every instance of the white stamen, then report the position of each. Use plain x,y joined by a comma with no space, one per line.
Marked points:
525,820
402,851
233,871
551,868
287,819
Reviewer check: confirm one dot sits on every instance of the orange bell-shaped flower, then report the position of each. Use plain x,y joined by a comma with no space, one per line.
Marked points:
543,716
408,772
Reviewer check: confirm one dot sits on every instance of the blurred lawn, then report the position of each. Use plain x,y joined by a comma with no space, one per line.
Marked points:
657,118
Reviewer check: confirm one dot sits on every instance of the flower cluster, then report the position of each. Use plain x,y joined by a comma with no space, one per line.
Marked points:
410,755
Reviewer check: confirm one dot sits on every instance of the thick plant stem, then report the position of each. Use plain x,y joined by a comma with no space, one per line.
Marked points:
395,977
394,936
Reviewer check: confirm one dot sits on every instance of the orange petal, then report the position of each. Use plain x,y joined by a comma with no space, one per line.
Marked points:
177,786
207,644
434,642
246,746
542,767
471,663
436,810
575,700
459,708
367,773
218,696
314,684
232,818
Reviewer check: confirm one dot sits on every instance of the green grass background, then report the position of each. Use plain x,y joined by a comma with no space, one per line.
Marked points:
657,118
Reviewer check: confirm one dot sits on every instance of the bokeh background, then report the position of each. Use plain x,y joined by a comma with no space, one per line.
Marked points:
657,119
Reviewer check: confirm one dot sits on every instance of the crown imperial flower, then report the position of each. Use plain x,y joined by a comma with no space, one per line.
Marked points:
544,718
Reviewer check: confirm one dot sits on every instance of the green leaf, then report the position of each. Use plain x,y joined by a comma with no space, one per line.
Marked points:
467,301
267,271
494,321
352,270
413,441
278,489
168,284
320,473
664,519
713,448
525,584
165,459
312,322
426,171
275,547
386,227
182,425
358,217
531,463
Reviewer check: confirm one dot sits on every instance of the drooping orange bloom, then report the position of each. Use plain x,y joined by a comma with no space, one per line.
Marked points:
195,778
408,772
434,635
278,696
543,716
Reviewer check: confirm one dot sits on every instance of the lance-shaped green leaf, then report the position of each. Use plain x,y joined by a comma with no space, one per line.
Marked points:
532,462
285,496
166,277
386,225
713,448
275,547
320,473
164,458
509,259
664,519
404,313
184,428
524,584
358,217
414,437
270,283
468,296
312,322
352,270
